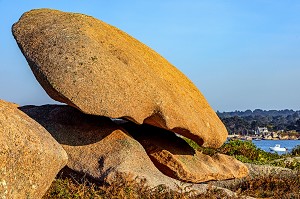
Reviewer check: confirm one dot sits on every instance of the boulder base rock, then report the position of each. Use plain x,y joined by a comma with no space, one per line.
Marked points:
175,158
29,157
97,146
101,70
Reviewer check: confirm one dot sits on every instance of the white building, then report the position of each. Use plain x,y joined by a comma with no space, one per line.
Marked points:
261,130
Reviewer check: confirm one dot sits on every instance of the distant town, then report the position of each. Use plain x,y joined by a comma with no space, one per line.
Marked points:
262,124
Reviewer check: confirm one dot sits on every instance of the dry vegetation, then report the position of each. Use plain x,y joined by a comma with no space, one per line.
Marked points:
76,186
273,186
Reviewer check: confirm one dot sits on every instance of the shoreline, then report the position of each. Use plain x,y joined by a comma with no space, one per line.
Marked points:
258,138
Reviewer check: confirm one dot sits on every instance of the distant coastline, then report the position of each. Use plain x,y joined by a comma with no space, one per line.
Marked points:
262,124
267,137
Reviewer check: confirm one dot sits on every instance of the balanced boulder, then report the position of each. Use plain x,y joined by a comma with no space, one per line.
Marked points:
29,157
176,158
101,70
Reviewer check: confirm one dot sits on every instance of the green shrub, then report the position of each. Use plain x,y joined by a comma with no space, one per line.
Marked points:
296,151
290,164
244,151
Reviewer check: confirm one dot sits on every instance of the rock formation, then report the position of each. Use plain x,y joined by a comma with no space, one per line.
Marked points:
101,148
97,146
29,157
175,158
101,70
104,73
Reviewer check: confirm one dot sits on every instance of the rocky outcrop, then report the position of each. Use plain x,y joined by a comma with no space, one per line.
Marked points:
102,149
101,70
175,158
106,76
29,157
97,146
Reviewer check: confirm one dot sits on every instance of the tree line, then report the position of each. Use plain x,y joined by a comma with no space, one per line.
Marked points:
246,122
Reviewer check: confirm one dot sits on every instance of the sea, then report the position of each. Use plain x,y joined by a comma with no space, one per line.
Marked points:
265,144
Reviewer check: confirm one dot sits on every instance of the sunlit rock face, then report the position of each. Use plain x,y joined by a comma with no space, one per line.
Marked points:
101,70
30,157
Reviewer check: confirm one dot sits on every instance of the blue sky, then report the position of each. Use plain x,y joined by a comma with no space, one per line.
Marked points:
240,54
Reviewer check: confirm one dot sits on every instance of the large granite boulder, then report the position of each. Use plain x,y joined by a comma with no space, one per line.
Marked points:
101,70
174,157
29,157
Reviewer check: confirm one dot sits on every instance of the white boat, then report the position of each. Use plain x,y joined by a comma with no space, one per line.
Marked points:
278,148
